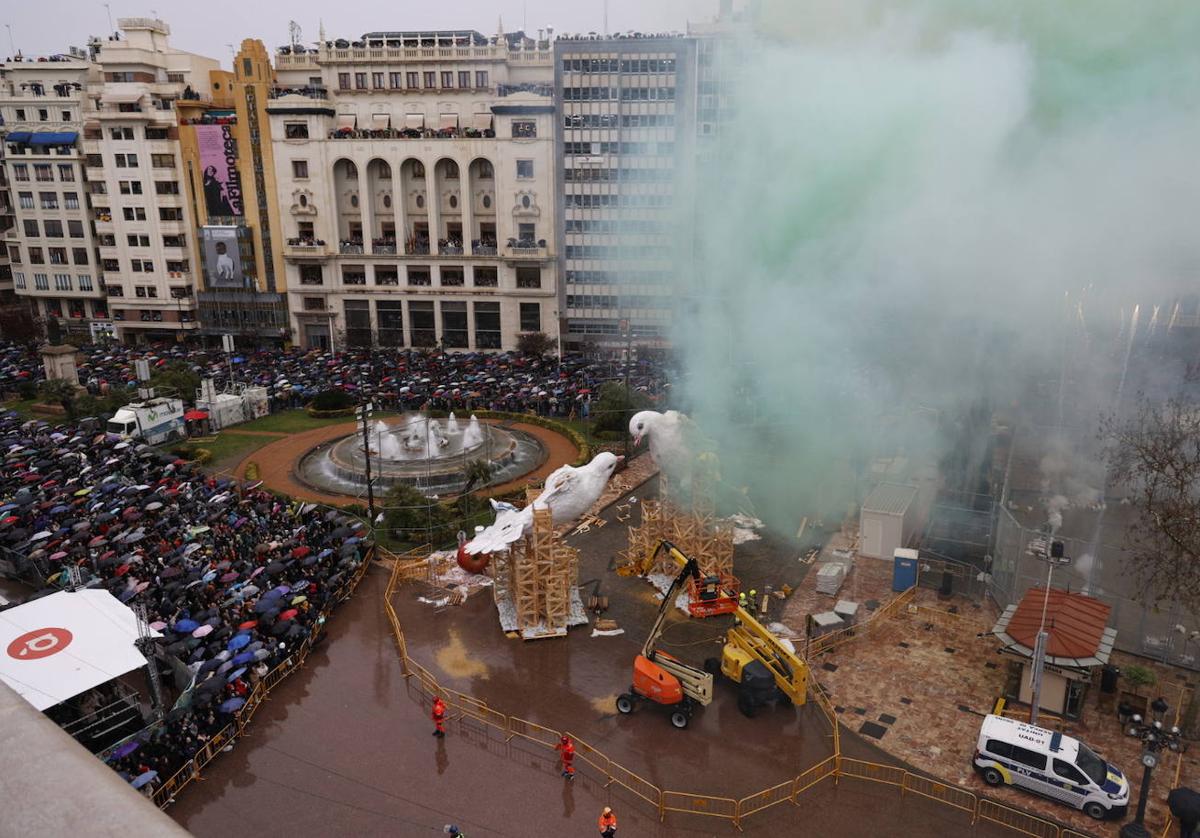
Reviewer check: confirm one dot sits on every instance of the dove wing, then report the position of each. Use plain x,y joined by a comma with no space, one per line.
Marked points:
508,527
561,482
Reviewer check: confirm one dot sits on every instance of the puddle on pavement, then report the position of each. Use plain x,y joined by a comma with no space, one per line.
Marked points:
456,661
605,704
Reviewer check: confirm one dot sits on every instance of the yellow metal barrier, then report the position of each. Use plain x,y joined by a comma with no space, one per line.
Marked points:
1015,819
892,608
825,768
532,731
950,795
766,798
597,759
698,804
468,706
637,785
891,775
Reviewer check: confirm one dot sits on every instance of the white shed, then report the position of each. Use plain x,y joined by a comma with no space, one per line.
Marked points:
887,520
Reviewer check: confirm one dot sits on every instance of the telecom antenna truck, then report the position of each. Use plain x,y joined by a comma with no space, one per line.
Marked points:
153,421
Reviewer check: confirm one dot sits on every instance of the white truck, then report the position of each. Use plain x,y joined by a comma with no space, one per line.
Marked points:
153,421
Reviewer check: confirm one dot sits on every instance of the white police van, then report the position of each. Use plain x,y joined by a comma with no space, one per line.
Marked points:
1050,764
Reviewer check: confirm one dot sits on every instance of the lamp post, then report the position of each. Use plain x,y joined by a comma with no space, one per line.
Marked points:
1054,556
364,413
1154,738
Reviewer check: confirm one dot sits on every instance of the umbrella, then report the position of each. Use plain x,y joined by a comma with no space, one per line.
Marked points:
244,657
171,571
310,561
263,605
301,552
232,705
249,624
298,599
186,626
229,577
273,567
45,534
289,614
202,631
239,641
158,625
233,676
279,628
126,749
261,654
141,779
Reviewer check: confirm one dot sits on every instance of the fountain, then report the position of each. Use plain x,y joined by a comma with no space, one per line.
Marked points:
429,454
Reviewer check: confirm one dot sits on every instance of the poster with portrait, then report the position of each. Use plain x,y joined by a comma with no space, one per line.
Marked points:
222,258
218,163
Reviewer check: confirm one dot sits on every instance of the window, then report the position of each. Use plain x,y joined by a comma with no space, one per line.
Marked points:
464,79
300,169
394,80
41,282
139,290
343,81
121,133
20,114
85,282
529,277
66,172
531,317
20,171
452,278
311,275
412,80
170,214
360,81
1024,756
526,234
384,276
487,325
71,201
166,187
419,277
358,322
481,79
454,325
134,213
136,240
180,267
130,187
524,169
485,278
58,255
19,279
524,128
66,116
79,255
295,130
421,323
14,255
49,200
110,264
162,161
114,291
1091,765
389,314
1069,772
314,303
377,81
174,241
430,79
25,199
43,114
354,275
62,282
36,257
447,78
53,229
31,228
119,160
43,172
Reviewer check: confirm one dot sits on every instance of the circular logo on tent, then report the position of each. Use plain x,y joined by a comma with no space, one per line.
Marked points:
39,643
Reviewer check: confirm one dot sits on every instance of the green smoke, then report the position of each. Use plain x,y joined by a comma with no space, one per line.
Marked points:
904,197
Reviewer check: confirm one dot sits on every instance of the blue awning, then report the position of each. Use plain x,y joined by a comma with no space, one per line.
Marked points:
17,137
53,138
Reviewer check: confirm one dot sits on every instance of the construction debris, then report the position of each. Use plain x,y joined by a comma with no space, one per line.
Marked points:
606,625
535,583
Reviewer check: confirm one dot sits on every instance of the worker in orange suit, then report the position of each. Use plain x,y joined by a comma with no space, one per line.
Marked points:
439,717
608,823
566,749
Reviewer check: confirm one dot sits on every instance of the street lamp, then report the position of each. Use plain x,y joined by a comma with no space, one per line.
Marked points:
1053,556
1154,738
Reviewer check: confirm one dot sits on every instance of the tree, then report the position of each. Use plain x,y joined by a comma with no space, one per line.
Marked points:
17,324
534,343
1138,677
410,516
60,392
1155,456
615,405
478,472
177,378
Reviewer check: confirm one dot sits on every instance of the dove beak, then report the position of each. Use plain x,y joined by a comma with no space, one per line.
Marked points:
620,459
637,439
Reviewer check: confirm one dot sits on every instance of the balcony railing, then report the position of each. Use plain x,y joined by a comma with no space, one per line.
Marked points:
527,248
383,247
306,247
450,248
479,248
350,246
412,134
308,92
417,248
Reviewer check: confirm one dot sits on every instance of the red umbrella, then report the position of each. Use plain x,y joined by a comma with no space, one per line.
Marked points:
249,624
289,614
301,552
97,541
123,569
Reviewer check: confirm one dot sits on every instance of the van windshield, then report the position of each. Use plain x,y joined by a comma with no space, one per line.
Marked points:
1091,765
117,427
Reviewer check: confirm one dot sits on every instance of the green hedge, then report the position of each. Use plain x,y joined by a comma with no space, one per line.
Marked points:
201,456
329,414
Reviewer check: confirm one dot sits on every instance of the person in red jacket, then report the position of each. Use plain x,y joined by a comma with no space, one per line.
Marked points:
566,749
608,823
439,716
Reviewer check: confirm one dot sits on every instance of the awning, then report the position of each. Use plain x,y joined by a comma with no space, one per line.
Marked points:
481,121
346,121
121,96
18,137
381,121
414,120
447,120
53,138
56,647
195,415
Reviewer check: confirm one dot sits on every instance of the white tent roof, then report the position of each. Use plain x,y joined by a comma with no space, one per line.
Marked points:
58,646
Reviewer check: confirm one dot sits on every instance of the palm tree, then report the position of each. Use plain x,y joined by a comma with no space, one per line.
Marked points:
478,472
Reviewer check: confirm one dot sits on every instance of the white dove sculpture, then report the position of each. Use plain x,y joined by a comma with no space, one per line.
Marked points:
668,435
569,492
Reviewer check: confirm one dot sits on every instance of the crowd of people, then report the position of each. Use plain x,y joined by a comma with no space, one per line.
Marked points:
395,378
233,577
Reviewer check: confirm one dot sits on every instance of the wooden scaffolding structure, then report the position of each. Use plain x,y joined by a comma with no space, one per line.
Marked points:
537,575
689,527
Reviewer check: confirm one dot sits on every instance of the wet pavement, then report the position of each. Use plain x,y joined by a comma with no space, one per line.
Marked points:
343,747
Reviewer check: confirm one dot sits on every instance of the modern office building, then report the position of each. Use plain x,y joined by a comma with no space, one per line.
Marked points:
143,219
49,244
416,189
626,137
229,170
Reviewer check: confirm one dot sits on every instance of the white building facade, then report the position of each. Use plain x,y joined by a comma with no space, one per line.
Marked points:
415,176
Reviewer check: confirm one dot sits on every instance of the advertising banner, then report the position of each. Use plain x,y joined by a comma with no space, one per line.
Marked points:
222,258
218,160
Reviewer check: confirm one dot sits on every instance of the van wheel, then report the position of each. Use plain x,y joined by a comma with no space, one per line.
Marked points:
712,666
624,704
993,777
746,705
1095,810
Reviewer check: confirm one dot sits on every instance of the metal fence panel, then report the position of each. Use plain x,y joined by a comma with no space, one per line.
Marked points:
1015,819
